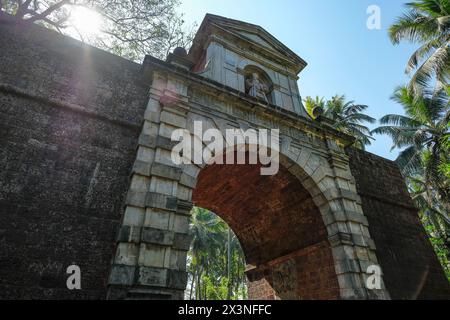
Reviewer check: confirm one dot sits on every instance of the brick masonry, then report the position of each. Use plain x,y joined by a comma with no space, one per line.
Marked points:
287,250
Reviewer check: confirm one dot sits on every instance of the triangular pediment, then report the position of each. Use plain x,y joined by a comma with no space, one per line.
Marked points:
256,37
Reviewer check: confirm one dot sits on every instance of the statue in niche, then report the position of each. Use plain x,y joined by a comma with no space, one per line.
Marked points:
256,88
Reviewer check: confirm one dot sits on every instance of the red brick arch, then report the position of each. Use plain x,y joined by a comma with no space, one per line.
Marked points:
280,228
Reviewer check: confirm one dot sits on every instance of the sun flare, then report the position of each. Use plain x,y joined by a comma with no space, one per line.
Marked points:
87,22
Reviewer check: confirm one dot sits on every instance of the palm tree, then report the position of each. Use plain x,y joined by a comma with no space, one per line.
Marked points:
348,118
346,115
311,104
434,218
216,261
424,133
426,22
207,232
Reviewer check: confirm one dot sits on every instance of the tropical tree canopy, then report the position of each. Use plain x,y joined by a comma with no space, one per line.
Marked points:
426,22
216,261
131,29
347,116
424,134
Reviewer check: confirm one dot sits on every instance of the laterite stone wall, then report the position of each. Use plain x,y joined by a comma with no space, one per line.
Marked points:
410,266
70,116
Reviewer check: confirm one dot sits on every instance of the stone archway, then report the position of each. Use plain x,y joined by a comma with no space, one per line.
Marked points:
150,260
279,227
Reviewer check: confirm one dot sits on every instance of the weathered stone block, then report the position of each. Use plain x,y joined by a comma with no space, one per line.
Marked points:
133,216
153,255
127,254
165,143
346,265
129,234
141,167
188,180
161,201
147,141
166,171
136,198
122,275
163,186
157,236
158,219
173,119
177,279
150,276
182,241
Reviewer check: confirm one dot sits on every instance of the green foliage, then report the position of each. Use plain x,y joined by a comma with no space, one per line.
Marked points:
311,103
131,29
348,117
216,261
426,22
439,240
423,133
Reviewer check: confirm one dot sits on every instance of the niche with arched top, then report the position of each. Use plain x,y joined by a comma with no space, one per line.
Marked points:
263,90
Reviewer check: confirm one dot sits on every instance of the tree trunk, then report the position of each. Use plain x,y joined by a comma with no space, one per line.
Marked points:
229,263
192,284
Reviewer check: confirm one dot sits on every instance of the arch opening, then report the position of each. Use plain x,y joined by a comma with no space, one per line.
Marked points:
280,229
215,262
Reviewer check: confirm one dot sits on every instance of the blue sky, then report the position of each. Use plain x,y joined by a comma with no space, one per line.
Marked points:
343,55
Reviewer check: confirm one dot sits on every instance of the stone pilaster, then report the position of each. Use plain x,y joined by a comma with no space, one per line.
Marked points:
352,246
153,242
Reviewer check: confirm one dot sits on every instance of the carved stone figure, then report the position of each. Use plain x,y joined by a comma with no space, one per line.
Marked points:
256,88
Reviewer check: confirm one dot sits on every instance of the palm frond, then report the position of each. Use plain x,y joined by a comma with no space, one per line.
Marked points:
413,26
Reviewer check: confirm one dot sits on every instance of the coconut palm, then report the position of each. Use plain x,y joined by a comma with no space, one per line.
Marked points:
424,134
347,116
207,232
216,261
311,104
434,218
426,22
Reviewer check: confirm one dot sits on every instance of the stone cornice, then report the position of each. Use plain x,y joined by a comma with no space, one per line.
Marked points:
290,118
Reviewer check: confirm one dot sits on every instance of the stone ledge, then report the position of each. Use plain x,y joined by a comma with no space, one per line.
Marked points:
340,238
158,141
338,193
150,235
166,171
161,277
345,216
143,199
161,201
